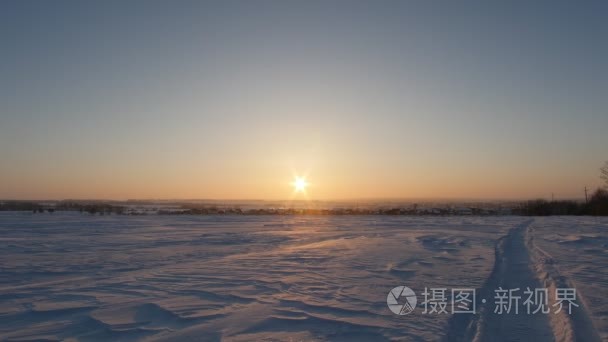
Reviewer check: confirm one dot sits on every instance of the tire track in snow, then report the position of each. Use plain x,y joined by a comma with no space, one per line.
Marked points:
576,326
512,269
519,264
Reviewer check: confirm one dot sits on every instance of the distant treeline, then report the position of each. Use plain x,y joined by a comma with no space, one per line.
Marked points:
21,206
213,210
597,205
85,207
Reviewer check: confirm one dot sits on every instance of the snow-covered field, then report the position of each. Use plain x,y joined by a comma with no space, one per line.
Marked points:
294,278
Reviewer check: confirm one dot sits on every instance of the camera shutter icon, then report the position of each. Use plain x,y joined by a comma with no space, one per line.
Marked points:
401,300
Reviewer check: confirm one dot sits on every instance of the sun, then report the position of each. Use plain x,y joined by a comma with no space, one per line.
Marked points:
300,184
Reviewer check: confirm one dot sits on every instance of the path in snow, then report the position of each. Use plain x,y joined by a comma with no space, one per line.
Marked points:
576,325
519,264
515,271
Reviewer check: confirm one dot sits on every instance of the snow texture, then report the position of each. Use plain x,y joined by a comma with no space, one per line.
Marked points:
68,276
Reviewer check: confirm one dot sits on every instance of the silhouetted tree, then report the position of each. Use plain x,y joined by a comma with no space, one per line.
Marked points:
598,205
604,175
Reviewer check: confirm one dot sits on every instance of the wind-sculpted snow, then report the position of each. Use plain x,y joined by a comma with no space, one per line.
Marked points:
235,278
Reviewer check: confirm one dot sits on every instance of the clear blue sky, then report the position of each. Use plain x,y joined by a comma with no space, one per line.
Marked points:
230,99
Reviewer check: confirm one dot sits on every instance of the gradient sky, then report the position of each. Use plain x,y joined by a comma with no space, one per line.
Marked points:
373,99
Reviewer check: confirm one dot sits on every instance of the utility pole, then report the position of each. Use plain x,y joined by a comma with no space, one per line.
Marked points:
552,197
586,198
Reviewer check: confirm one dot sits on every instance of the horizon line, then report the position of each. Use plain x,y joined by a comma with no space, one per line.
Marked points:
363,199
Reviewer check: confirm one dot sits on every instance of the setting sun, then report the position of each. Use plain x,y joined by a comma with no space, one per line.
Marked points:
300,184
